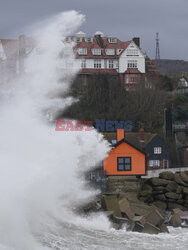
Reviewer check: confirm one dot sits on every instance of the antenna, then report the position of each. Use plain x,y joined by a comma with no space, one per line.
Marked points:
157,53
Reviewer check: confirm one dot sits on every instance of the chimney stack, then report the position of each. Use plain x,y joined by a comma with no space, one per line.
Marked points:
120,134
142,135
136,40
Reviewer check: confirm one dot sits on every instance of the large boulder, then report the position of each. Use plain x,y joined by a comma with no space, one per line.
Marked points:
159,204
184,176
173,205
171,195
159,188
151,229
185,190
172,186
160,197
179,189
139,208
145,190
164,228
175,220
168,175
154,217
159,182
126,209
110,203
179,180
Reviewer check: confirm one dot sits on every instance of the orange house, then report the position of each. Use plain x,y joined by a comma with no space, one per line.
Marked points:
124,158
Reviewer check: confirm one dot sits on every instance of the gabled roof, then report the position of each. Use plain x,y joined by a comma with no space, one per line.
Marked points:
151,69
124,140
103,46
133,138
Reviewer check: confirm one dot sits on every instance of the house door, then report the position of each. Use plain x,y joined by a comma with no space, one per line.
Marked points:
165,164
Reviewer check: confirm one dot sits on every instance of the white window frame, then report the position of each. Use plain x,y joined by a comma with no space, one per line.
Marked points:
88,39
82,51
96,52
110,52
157,150
111,64
132,64
132,52
97,64
78,39
112,40
154,163
83,64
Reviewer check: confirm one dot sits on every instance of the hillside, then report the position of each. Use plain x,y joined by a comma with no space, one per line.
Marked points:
167,66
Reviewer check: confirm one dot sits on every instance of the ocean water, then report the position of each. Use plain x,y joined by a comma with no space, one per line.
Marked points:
42,170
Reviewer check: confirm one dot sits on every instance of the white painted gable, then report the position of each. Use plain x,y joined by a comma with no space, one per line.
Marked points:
132,52
2,53
133,46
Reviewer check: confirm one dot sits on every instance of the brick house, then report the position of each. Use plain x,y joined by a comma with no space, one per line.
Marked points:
97,54
110,55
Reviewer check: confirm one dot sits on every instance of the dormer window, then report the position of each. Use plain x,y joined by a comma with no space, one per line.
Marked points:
112,40
110,52
67,39
89,40
118,51
96,52
132,52
82,51
78,39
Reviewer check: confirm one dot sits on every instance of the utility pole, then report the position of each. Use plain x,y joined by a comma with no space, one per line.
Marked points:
157,53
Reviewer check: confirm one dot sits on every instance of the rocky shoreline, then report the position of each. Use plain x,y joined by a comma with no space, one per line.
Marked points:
145,205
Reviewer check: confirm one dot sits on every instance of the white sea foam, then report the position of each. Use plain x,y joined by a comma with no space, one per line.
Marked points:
41,169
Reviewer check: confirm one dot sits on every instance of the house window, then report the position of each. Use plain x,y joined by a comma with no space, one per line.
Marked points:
157,150
111,64
88,40
110,52
127,78
112,40
97,64
118,51
132,78
96,52
132,52
131,64
165,163
124,163
114,141
82,51
154,163
83,64
78,39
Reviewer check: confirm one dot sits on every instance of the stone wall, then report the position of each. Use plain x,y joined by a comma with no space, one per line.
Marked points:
168,191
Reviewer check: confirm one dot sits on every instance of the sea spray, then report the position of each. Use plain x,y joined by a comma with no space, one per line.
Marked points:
40,169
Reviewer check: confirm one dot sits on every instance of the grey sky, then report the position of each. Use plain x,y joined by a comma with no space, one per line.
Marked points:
122,18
